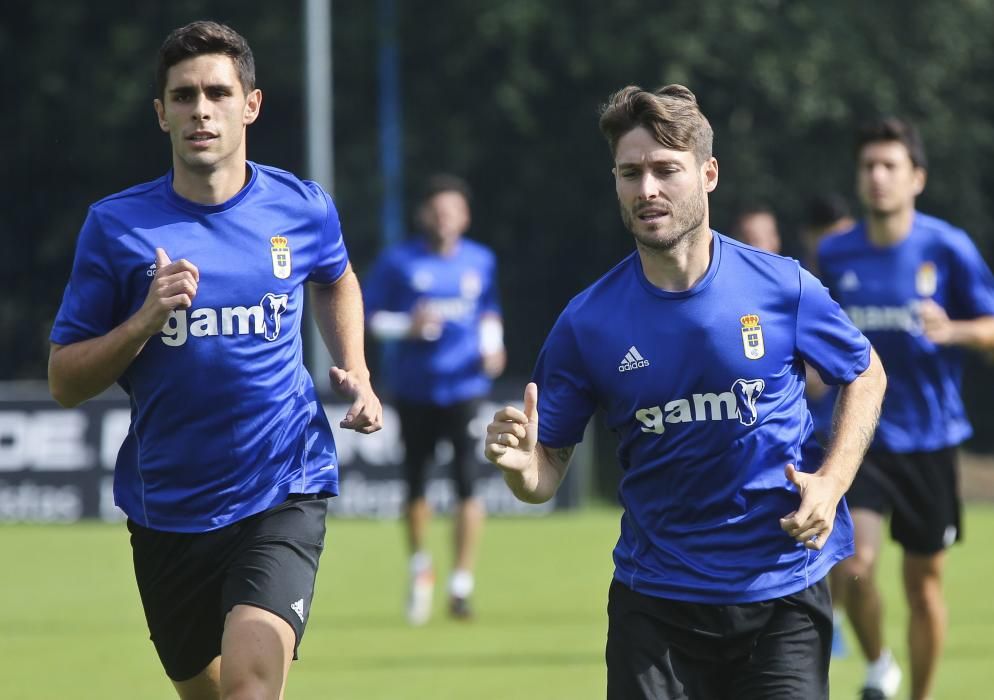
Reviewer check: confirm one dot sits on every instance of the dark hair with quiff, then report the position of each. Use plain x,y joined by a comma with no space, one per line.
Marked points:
825,209
202,38
894,129
444,182
671,114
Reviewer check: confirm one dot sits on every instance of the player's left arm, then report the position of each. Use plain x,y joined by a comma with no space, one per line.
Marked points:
853,423
338,312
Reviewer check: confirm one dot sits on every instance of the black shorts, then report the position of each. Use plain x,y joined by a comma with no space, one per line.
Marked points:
190,581
422,425
659,649
919,490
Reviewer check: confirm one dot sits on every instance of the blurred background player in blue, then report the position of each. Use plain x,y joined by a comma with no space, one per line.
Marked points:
824,215
435,298
921,292
757,226
188,291
693,347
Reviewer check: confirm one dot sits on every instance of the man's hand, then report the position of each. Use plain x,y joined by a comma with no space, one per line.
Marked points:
935,322
365,415
513,434
812,523
426,323
174,287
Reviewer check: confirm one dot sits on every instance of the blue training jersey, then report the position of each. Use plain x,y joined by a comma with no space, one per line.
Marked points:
225,421
461,288
822,408
705,391
880,288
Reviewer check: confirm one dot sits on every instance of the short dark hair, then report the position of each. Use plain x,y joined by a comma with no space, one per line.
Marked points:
754,209
201,38
671,114
894,129
825,209
444,182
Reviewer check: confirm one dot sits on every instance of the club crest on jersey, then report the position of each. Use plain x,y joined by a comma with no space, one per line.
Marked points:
281,257
752,337
926,279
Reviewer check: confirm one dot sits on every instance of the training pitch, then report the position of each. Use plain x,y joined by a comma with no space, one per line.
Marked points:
71,624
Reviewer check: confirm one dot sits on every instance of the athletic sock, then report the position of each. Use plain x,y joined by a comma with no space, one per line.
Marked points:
883,674
420,562
461,583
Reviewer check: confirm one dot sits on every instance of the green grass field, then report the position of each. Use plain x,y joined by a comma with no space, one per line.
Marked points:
71,625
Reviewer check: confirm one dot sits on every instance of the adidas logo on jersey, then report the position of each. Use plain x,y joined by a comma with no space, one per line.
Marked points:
298,608
262,319
632,360
849,281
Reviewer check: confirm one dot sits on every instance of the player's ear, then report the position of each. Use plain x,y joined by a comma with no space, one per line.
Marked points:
709,173
253,103
160,114
921,176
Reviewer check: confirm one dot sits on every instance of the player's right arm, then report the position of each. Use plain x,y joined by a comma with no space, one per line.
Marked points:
531,470
79,371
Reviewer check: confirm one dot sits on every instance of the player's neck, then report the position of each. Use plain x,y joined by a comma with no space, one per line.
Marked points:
441,246
679,268
889,228
214,186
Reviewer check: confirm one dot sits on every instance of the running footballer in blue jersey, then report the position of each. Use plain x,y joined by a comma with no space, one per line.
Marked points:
694,349
434,299
188,292
920,291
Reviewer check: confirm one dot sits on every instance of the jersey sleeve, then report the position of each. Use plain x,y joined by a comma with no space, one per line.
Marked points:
566,399
826,339
91,301
332,256
971,282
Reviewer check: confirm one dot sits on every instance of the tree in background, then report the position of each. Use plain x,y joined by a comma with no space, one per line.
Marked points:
506,92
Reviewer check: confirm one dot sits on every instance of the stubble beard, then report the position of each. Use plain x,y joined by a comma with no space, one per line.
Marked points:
686,217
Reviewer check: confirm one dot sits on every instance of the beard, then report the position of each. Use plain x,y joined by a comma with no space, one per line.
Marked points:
685,217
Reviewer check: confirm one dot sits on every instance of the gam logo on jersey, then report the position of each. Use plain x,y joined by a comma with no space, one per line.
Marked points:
738,403
281,256
262,319
887,318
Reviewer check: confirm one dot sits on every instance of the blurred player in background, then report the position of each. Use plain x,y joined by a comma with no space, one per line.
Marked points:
188,292
435,297
757,226
692,347
825,215
920,291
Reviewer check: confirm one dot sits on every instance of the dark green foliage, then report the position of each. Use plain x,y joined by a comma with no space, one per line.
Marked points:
505,93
